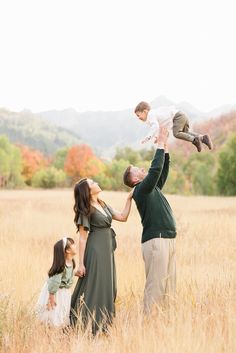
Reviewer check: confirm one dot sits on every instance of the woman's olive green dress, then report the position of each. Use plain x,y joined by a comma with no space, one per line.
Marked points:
94,295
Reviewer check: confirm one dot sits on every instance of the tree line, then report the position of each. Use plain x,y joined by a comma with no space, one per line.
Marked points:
204,173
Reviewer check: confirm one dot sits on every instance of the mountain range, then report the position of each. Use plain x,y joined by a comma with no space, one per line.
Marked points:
102,130
27,129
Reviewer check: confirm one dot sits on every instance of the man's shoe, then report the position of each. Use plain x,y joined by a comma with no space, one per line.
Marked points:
197,142
206,139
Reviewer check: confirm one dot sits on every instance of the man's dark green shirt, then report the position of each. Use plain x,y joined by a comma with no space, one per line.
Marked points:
155,212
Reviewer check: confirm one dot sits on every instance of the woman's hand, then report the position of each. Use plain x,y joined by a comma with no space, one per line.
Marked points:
123,216
51,302
81,272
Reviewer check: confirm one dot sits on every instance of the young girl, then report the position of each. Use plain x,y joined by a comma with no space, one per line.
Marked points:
53,306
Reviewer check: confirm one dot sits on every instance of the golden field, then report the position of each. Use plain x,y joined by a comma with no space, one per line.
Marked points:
200,319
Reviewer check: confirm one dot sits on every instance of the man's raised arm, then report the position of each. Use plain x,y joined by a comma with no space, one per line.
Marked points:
155,171
165,169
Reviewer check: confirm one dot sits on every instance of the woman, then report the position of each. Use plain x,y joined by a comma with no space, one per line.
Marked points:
95,293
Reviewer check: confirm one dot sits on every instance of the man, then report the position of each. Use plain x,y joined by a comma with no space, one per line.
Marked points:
159,231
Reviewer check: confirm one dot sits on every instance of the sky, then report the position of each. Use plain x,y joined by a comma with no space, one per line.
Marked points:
110,54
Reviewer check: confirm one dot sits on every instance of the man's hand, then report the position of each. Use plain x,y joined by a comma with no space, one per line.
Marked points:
163,136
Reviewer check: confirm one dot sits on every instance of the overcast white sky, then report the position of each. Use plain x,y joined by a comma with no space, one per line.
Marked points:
110,54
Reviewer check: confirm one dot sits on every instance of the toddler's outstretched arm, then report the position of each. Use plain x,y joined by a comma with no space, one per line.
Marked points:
153,132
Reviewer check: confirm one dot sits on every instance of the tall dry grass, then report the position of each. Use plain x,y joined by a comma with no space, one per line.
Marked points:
202,317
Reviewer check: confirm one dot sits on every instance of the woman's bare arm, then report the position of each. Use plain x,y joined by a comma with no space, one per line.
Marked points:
83,236
123,215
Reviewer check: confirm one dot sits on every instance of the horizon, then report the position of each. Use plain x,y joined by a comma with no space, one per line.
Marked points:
26,109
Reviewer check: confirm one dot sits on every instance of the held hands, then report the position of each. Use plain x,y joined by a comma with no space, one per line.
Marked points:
81,272
51,302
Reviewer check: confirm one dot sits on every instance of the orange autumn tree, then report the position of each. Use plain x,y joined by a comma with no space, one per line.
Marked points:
33,160
81,162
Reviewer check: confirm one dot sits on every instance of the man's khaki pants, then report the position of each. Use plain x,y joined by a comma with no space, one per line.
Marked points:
160,268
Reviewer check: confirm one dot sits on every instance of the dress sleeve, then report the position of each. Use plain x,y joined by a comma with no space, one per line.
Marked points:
83,221
54,283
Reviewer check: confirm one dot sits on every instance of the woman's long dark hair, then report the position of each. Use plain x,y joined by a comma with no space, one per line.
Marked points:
82,198
59,261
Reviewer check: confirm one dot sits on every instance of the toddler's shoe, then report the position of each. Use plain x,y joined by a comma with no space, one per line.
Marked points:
197,142
207,141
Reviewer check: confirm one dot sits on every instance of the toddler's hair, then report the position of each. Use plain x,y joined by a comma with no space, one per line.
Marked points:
141,107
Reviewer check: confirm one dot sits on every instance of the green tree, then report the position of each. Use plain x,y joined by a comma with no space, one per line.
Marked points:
127,154
10,164
60,157
226,174
4,164
49,178
16,166
147,154
200,171
113,177
104,180
176,182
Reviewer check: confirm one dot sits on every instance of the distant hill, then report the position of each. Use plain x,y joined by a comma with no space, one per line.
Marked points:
219,129
102,130
26,128
106,130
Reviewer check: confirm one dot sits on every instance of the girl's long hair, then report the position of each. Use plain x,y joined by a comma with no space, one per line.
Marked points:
82,198
59,261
